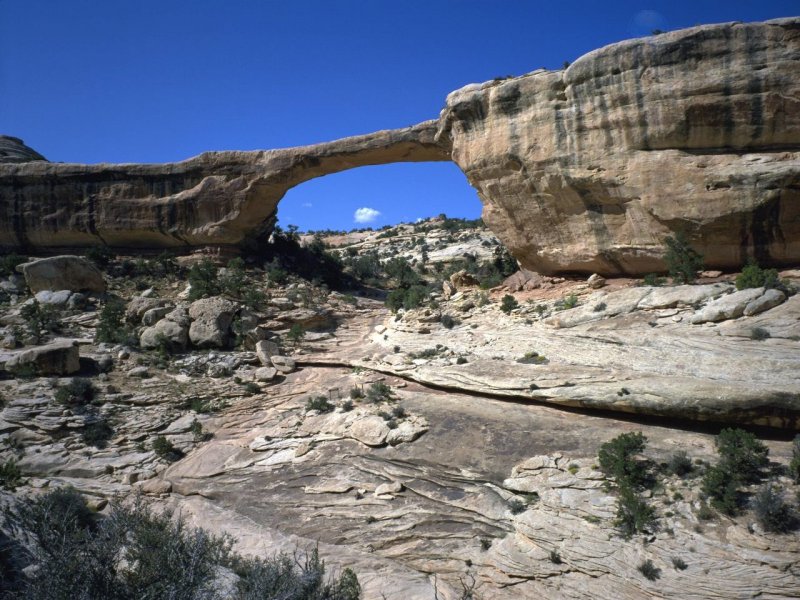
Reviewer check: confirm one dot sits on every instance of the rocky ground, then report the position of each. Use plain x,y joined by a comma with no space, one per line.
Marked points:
436,457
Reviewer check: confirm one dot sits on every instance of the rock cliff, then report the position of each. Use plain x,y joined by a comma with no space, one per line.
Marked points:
586,169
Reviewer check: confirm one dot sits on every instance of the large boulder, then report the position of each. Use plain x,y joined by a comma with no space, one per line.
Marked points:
211,322
65,272
56,358
172,330
730,306
14,150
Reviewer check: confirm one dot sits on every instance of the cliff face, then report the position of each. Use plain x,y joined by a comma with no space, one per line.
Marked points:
586,169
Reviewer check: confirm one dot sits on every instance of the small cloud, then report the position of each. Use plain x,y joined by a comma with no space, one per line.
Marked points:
307,205
366,215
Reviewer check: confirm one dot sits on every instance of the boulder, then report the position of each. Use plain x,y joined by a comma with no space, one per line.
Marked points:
56,358
59,298
174,334
770,299
265,373
523,280
211,322
283,364
139,305
154,315
388,489
371,430
596,281
266,350
65,272
448,289
462,279
730,306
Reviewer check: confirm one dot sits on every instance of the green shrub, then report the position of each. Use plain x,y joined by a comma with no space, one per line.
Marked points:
379,392
347,405
653,280
570,301
164,449
794,463
203,279
296,333
110,325
100,255
617,459
97,433
742,453
10,475
251,388
447,321
633,513
356,393
407,298
680,464
753,276
508,303
40,319
234,281
759,334
649,570
320,404
722,486
78,392
516,506
679,564
772,512
9,264
683,262
555,557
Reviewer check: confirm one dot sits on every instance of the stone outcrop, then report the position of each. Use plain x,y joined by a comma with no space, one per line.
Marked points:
14,150
73,273
587,169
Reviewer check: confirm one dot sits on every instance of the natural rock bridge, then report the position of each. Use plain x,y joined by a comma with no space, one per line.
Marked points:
584,169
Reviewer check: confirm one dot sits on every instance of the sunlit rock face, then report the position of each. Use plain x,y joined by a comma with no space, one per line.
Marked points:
588,169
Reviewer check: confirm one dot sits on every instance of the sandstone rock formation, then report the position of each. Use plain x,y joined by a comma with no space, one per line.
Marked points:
586,170
73,273
14,150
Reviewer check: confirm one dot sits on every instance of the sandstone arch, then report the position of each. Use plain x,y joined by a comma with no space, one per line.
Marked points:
586,169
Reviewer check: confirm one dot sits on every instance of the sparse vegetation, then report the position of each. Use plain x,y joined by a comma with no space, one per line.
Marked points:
508,303
9,263
164,448
634,515
759,334
649,570
40,319
679,564
379,392
78,392
794,463
110,326
296,333
10,475
97,433
753,276
683,262
320,404
555,557
617,459
680,464
774,514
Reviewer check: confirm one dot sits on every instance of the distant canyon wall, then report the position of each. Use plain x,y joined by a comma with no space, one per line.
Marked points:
582,170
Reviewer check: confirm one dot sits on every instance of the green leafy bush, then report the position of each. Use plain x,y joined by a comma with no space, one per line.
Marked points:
203,279
164,448
508,303
40,319
680,464
649,570
742,454
633,513
653,280
10,475
753,276
97,433
78,392
9,263
617,459
100,255
320,404
379,392
356,393
683,262
110,324
296,333
772,512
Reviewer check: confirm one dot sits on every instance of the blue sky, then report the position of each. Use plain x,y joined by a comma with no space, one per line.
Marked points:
162,80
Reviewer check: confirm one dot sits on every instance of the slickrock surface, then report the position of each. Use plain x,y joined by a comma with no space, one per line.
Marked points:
587,169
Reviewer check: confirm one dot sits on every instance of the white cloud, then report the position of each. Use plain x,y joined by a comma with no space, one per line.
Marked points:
366,215
307,205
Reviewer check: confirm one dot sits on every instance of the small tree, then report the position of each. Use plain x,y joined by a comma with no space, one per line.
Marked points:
616,459
110,326
772,512
296,333
203,279
508,303
753,276
39,319
683,262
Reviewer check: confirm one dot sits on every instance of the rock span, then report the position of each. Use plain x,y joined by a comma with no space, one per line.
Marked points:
586,169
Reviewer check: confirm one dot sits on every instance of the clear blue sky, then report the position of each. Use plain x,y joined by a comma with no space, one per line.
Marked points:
163,80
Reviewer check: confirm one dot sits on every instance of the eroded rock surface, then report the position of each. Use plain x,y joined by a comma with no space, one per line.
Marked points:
587,169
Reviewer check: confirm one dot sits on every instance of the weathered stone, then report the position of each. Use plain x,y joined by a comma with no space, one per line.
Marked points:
523,280
370,430
14,150
730,306
596,281
389,489
265,350
770,299
211,322
139,305
265,373
462,279
58,298
56,358
154,315
284,364
175,335
65,272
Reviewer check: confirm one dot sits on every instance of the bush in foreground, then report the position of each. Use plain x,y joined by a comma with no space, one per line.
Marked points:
135,553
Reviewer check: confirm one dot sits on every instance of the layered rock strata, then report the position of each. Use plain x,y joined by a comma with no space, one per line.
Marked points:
586,169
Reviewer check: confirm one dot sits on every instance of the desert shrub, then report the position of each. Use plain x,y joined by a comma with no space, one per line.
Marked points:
356,393
759,334
39,319
234,280
772,512
570,301
253,298
78,392
633,513
110,324
379,392
461,360
9,264
10,475
204,281
251,388
296,333
508,303
320,404
679,564
794,462
516,506
653,280
680,464
599,307
447,321
97,433
722,487
742,453
532,358
100,255
617,459
165,449
753,276
555,557
348,405
683,262
649,570
407,298
398,412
